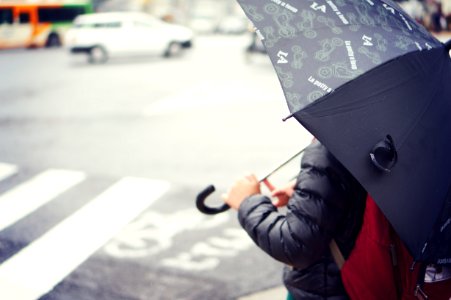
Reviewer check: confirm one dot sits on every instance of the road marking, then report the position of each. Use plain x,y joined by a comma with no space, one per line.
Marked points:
206,255
39,267
28,196
154,232
7,170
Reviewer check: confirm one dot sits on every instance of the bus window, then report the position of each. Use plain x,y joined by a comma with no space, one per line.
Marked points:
60,14
6,16
24,18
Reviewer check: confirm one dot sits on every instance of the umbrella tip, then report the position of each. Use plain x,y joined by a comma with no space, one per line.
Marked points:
287,117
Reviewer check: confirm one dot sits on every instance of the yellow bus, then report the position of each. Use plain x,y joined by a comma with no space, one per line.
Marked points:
38,23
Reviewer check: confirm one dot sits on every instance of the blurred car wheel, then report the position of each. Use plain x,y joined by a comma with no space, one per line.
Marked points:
97,54
53,40
174,48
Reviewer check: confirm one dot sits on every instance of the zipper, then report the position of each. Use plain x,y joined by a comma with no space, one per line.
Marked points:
420,294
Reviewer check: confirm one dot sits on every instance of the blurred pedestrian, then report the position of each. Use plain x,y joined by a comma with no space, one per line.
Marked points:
446,9
437,16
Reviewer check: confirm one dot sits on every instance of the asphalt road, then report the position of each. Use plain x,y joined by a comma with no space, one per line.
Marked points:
100,166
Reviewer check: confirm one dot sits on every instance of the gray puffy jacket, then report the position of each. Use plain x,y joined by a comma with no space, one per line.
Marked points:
327,203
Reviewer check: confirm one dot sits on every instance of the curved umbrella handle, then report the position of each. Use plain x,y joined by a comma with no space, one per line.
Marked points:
200,202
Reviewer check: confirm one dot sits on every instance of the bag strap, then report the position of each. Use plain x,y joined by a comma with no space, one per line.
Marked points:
336,254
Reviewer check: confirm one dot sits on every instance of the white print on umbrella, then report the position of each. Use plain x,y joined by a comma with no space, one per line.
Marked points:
315,6
444,261
260,35
367,40
154,232
427,46
319,84
338,12
207,255
351,55
389,8
282,57
406,22
286,5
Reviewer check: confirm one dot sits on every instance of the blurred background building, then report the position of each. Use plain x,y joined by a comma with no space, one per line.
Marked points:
205,15
433,14
38,23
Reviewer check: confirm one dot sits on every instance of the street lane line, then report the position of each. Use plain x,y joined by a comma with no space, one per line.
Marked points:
39,267
7,170
28,196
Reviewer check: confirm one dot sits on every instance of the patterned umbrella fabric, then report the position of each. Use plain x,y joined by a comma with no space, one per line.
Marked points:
373,86
335,41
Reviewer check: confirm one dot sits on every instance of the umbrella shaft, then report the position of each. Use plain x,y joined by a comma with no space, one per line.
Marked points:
282,165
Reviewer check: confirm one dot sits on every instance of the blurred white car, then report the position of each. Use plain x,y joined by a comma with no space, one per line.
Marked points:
233,25
104,35
203,24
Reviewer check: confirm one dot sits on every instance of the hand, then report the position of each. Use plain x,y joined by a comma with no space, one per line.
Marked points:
283,194
243,188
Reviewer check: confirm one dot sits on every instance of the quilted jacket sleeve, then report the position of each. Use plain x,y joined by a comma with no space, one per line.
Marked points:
316,212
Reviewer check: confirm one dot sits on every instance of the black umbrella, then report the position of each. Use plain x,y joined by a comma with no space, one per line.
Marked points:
375,88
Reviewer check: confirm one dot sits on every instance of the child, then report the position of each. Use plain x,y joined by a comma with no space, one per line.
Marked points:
325,203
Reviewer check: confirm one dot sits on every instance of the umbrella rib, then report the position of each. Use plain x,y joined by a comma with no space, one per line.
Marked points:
426,107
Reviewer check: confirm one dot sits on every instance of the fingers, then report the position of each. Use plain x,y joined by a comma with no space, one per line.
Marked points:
277,192
242,189
251,178
249,185
280,201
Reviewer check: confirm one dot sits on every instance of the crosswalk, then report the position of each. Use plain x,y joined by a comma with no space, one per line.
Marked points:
7,170
25,198
38,267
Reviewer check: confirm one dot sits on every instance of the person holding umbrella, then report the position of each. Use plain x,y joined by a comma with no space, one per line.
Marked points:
372,85
325,203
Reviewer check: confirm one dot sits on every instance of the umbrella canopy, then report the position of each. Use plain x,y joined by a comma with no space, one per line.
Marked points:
375,88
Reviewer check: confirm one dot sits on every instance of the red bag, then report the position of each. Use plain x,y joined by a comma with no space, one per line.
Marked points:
379,266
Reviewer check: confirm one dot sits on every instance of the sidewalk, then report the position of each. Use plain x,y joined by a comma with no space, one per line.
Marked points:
443,36
277,293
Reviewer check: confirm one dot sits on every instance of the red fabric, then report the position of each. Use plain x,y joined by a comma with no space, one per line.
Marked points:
438,290
368,273
408,278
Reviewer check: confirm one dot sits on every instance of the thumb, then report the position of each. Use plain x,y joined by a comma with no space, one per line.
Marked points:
278,192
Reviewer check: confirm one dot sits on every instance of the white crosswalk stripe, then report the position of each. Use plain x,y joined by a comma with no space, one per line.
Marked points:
27,197
7,170
36,269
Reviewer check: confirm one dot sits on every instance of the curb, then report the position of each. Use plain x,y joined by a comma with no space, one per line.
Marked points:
271,294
